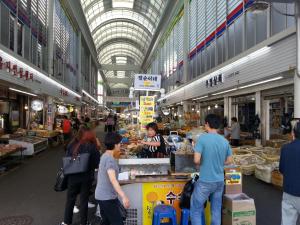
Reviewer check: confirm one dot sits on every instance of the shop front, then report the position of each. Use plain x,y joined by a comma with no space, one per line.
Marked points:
27,105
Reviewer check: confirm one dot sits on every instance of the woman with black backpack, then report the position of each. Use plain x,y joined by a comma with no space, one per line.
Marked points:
80,183
153,143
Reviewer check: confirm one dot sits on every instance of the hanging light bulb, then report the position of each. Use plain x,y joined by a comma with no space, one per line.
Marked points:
198,111
216,106
209,108
26,107
193,109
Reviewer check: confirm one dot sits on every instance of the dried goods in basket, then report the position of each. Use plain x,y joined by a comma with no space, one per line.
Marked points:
248,162
271,154
264,172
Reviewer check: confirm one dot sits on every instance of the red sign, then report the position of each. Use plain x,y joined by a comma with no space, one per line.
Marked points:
14,70
64,92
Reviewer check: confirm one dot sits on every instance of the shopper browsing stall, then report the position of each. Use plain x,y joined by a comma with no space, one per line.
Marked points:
212,152
152,142
108,188
80,183
290,167
67,128
235,132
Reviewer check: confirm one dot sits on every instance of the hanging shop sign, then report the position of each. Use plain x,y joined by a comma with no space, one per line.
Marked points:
61,109
147,82
37,105
215,80
16,70
147,104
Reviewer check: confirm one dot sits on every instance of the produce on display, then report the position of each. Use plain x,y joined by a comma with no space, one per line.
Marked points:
9,149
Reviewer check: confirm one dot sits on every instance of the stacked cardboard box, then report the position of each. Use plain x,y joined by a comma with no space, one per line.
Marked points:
233,181
238,209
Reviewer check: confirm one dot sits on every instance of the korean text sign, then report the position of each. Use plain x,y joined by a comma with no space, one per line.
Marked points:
147,82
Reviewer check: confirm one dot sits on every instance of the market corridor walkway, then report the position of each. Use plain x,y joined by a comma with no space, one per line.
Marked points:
28,191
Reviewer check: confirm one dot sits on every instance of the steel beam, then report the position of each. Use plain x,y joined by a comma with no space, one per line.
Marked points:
117,67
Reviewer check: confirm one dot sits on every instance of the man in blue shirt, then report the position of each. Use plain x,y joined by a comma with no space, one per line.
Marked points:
212,152
290,168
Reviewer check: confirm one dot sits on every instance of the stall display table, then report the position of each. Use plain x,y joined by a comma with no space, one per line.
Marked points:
7,153
33,145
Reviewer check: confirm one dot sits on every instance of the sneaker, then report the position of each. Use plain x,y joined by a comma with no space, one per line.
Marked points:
91,205
75,210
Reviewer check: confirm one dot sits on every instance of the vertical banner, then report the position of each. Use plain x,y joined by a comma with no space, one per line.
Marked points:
146,110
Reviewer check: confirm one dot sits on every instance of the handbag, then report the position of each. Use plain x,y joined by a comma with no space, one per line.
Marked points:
61,181
76,164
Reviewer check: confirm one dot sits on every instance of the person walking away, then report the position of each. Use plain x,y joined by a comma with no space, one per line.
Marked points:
152,142
289,167
80,184
110,123
108,188
212,152
67,129
235,132
115,121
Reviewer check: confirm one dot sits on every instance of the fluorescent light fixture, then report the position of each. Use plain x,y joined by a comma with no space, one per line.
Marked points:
36,72
83,91
223,92
238,62
178,104
206,96
261,82
23,92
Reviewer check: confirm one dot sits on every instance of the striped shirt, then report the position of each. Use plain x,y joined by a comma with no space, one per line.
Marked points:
156,138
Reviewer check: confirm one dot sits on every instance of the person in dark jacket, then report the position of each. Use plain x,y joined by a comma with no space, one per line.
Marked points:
81,183
290,167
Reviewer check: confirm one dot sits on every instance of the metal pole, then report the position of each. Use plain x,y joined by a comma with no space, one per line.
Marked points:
186,41
297,73
50,37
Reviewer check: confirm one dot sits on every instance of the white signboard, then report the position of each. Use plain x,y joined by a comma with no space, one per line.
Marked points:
62,109
37,105
147,82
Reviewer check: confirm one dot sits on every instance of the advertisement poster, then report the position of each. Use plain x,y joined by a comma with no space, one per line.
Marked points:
167,193
146,110
147,82
154,193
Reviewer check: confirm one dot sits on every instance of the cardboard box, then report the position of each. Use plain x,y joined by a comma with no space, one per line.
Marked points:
233,181
238,210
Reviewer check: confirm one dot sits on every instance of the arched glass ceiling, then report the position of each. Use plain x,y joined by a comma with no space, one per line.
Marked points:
121,30
120,85
122,27
120,48
121,13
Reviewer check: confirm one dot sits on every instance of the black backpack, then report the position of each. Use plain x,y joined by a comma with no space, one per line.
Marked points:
186,195
162,147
